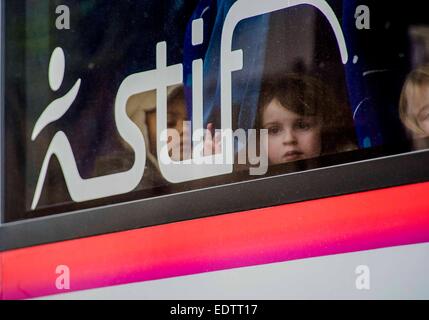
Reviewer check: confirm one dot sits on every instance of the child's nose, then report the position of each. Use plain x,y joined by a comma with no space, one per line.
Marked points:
289,137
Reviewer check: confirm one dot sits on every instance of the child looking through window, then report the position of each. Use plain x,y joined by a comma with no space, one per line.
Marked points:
414,102
302,118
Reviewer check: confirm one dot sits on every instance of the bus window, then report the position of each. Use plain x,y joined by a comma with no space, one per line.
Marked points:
112,103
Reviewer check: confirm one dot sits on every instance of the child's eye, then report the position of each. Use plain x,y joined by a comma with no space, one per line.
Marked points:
303,125
274,130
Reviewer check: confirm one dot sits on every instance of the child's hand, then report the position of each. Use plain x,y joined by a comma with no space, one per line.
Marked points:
180,149
212,145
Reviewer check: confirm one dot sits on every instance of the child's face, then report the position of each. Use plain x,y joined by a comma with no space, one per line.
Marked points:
418,107
291,137
176,116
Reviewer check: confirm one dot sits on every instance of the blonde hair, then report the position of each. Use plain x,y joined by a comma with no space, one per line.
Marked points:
417,78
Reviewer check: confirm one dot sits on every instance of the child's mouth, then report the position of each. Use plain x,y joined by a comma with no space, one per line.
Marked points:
292,155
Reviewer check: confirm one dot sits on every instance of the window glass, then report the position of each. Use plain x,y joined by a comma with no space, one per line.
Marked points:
107,102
